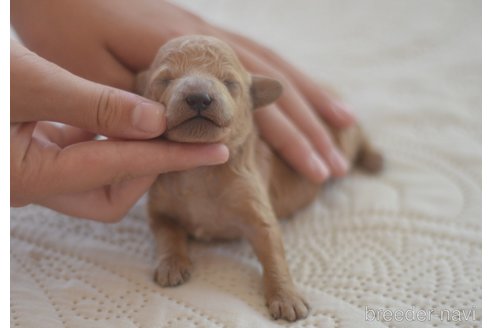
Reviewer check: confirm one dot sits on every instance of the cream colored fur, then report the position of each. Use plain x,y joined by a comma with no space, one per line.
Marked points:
244,197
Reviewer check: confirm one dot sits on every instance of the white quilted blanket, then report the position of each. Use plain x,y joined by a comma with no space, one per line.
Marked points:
402,243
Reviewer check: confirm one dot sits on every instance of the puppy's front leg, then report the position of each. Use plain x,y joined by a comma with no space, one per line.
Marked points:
283,299
172,252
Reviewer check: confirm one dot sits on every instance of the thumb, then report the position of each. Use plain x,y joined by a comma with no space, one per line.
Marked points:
43,91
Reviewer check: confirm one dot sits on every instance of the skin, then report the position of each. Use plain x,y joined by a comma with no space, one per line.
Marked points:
109,42
62,166
116,43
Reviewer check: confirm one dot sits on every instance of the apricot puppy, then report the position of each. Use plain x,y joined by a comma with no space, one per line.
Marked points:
210,97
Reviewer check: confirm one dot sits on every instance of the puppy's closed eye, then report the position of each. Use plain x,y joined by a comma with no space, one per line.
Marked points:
164,82
232,85
163,77
157,87
159,83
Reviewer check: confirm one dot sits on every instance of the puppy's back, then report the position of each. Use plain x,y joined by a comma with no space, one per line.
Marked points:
290,192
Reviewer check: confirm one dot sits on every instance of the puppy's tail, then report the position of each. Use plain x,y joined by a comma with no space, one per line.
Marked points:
368,158
358,150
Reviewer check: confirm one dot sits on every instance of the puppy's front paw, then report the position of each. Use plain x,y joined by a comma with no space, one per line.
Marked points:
287,305
173,271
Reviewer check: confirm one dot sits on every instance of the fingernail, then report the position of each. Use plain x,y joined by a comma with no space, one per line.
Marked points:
343,111
213,154
339,161
222,155
148,117
318,167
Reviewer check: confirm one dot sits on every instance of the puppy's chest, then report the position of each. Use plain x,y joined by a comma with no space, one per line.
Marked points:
201,201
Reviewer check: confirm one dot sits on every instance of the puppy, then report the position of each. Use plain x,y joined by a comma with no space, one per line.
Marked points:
209,98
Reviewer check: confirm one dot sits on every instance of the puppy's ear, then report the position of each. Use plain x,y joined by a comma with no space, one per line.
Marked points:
264,90
141,82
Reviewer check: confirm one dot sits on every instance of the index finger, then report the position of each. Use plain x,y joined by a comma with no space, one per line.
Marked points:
92,164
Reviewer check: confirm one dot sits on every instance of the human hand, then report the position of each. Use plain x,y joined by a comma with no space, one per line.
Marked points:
111,41
62,167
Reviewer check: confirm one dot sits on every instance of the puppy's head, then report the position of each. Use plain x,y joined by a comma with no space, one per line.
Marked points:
207,93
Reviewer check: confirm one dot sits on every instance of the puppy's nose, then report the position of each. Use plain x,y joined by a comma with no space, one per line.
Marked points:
199,101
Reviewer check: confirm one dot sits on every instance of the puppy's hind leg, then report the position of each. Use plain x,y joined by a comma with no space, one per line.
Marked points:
174,266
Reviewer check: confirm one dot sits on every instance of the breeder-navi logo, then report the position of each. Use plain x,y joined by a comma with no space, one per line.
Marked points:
421,315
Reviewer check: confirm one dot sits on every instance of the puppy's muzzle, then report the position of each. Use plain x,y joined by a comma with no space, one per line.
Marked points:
199,101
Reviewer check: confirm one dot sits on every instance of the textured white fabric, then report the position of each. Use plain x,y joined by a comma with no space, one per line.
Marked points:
408,239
